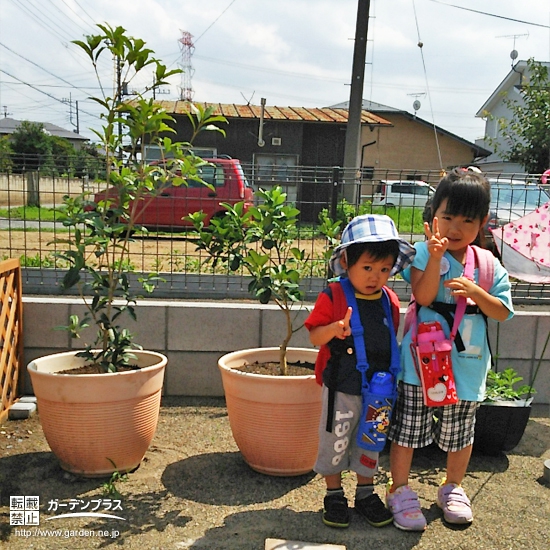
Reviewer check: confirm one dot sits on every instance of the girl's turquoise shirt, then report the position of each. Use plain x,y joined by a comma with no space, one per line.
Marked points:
470,366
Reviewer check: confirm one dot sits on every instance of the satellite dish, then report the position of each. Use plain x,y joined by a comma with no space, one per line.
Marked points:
513,54
416,105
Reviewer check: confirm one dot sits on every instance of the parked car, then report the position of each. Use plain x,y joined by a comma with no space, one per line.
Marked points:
402,193
511,200
167,209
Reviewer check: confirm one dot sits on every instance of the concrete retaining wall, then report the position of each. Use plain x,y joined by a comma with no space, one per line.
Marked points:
193,335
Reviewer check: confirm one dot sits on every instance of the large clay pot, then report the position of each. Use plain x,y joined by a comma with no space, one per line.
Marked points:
274,419
500,425
97,424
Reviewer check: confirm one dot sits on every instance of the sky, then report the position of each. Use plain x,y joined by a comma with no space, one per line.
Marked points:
290,52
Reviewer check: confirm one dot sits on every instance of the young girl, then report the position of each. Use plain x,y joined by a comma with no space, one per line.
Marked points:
371,250
459,212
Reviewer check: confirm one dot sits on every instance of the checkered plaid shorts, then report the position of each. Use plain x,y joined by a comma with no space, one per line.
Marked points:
415,425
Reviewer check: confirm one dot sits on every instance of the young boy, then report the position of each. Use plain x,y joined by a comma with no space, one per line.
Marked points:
370,251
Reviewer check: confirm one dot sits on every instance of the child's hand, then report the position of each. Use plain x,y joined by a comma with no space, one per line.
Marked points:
343,328
462,286
437,245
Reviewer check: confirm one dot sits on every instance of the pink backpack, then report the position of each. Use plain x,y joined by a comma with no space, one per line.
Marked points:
484,260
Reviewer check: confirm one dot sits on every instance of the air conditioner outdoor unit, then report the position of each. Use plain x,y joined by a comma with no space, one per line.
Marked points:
276,141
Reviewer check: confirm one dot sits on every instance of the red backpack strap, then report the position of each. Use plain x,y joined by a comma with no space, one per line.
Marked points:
486,267
339,308
395,307
339,302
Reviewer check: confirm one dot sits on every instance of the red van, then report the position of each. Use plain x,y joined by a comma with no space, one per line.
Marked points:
166,210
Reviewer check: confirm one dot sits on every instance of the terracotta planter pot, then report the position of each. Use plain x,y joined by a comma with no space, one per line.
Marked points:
274,419
90,420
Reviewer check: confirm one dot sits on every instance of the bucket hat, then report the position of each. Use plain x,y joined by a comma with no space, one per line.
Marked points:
372,228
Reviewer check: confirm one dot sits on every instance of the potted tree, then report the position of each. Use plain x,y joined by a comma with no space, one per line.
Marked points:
99,406
503,415
274,415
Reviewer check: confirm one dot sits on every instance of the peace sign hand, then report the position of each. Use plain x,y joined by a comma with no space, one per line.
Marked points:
437,245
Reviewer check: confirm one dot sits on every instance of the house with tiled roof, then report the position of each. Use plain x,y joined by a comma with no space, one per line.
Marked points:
290,136
275,143
412,144
9,125
391,139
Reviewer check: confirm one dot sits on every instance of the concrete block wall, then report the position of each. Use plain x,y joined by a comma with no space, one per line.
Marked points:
193,335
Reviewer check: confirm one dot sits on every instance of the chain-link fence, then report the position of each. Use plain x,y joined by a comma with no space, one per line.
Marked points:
31,210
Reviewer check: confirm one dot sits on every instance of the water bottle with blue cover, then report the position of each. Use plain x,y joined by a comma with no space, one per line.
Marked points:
378,400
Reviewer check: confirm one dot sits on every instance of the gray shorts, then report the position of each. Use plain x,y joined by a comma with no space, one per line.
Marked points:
415,425
338,450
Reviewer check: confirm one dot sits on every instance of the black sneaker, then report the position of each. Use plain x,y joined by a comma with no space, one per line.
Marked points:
373,510
336,512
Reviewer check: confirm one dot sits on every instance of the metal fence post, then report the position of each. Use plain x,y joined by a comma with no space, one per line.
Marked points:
33,189
336,172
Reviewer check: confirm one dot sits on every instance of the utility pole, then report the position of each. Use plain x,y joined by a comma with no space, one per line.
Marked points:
70,103
352,149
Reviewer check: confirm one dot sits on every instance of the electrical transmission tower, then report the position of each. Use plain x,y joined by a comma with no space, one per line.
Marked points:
187,48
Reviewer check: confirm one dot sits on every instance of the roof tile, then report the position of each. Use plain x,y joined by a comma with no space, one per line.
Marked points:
304,114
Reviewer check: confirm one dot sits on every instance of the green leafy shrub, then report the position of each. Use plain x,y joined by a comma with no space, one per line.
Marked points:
97,246
502,386
261,241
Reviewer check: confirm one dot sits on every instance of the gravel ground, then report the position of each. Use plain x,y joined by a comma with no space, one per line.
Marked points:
193,490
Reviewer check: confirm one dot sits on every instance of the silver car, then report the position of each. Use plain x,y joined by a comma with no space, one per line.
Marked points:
413,193
513,200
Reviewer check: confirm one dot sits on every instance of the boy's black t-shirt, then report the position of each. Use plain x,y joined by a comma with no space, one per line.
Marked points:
347,378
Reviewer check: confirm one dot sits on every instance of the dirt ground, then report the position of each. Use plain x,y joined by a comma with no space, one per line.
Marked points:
193,490
146,254
164,253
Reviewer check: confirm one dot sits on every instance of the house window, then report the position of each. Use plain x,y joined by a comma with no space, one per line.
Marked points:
367,172
491,128
275,167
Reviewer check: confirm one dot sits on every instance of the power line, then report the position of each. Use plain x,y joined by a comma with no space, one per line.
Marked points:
306,76
50,16
63,38
420,45
45,70
37,19
76,13
41,91
4,82
492,14
213,22
257,68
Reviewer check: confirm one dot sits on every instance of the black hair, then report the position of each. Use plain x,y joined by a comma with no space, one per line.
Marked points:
467,192
376,250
